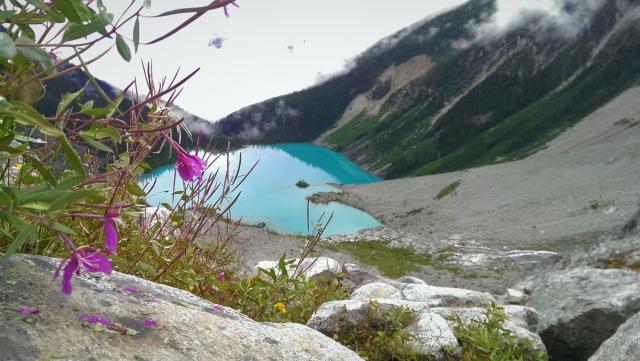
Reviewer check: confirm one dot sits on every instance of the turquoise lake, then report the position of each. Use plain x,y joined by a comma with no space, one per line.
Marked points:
270,195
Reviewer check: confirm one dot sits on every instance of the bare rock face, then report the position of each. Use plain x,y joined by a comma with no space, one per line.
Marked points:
148,321
582,307
376,290
445,296
624,345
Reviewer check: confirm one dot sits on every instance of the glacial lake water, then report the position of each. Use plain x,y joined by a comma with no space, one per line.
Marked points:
269,194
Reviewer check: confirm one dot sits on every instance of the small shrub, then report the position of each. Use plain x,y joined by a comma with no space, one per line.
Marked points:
381,336
302,184
278,295
489,340
447,190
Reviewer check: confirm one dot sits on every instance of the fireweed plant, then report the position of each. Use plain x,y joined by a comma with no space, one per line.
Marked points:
65,175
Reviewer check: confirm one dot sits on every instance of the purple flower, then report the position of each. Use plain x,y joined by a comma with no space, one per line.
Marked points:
28,310
150,323
190,166
226,11
216,308
130,289
110,231
217,42
221,276
90,259
92,319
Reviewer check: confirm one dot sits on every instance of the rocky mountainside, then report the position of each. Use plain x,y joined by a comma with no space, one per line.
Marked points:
458,91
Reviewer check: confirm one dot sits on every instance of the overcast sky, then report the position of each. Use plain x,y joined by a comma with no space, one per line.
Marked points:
270,48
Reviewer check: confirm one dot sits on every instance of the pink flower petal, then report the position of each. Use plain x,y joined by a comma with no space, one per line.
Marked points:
110,236
150,323
216,308
67,275
28,310
130,289
93,319
88,258
190,166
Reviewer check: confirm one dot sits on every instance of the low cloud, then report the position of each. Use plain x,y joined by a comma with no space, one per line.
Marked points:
566,17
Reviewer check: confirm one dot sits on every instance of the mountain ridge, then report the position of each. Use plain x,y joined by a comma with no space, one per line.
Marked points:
479,102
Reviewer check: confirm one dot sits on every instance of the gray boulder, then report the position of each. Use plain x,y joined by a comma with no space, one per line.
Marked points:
582,307
445,296
411,279
624,345
333,316
433,337
355,278
184,327
376,290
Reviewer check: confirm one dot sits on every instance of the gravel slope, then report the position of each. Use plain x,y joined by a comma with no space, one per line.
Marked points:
548,196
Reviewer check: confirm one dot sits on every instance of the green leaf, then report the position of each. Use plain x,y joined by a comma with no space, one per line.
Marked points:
6,140
26,115
5,15
38,4
7,47
44,172
69,9
135,189
56,17
115,105
6,201
136,34
102,131
64,229
97,145
70,198
69,183
27,232
123,48
80,30
26,31
34,54
38,206
70,155
67,99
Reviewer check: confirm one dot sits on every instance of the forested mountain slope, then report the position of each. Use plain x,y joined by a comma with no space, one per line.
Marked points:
452,92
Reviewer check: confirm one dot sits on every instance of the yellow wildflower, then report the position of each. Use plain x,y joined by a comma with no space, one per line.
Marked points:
18,166
280,307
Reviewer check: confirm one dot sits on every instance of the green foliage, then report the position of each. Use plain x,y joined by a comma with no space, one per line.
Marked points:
381,335
391,262
447,190
59,191
359,126
489,340
156,252
279,295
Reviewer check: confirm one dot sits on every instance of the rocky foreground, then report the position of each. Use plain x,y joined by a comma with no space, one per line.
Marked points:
573,314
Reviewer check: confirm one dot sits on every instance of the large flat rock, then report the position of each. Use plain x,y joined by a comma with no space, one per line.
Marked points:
624,345
188,328
582,307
